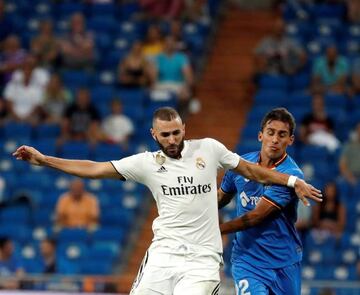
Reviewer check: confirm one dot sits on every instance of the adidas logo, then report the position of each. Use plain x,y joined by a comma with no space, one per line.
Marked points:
162,169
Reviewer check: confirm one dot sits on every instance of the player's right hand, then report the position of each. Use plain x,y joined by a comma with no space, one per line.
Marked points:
30,154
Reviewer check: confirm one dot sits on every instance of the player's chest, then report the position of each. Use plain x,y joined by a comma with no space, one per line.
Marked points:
249,194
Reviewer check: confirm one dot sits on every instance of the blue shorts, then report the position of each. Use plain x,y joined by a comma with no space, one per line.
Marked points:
255,281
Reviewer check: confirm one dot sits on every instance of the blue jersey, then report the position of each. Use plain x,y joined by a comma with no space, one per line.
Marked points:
275,242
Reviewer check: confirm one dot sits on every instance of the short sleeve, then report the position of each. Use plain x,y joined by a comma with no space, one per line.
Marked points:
132,167
226,158
228,183
280,195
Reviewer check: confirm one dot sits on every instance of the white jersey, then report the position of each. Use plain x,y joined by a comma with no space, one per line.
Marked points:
185,190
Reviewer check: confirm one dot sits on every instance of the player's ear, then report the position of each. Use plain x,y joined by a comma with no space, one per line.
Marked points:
291,139
152,131
260,136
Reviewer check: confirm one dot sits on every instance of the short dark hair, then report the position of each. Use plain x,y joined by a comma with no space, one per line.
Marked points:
166,114
279,114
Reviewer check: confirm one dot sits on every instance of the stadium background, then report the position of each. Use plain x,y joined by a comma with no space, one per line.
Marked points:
221,45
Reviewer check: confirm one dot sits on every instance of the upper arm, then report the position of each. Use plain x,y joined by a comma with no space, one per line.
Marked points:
106,170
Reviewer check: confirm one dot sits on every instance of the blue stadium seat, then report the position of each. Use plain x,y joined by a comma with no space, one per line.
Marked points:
47,130
271,98
17,131
247,146
109,234
250,132
102,94
338,101
66,9
300,81
299,99
75,150
96,267
106,152
18,233
15,215
67,235
75,79
102,24
132,97
277,82
311,153
116,218
103,9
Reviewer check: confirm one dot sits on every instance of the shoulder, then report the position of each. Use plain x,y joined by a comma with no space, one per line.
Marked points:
251,157
289,166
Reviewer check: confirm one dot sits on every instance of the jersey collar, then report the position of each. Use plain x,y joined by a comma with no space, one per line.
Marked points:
282,159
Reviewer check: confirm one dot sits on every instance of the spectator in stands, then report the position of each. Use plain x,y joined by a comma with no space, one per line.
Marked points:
330,72
278,54
355,78
176,32
48,255
6,25
4,114
11,57
25,91
168,9
77,47
304,221
134,69
10,267
172,72
196,10
77,208
350,158
329,216
56,98
81,119
317,127
117,127
45,45
327,291
353,11
153,44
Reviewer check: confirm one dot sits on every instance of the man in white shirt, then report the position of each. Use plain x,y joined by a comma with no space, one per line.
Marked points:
185,255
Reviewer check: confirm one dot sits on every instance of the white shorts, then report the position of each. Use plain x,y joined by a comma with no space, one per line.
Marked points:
168,271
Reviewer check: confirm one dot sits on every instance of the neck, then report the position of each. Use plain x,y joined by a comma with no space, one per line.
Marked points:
265,161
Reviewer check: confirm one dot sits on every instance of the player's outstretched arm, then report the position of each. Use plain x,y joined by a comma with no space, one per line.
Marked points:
264,175
81,168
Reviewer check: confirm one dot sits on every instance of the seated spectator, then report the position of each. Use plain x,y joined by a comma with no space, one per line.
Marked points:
196,10
317,127
48,255
278,54
353,11
176,32
134,69
45,45
11,57
117,127
10,267
6,24
77,208
162,9
56,98
153,44
329,216
4,114
330,72
350,158
303,222
77,48
81,119
172,72
25,91
355,78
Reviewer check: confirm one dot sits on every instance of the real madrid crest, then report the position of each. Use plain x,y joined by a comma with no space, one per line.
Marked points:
200,163
160,159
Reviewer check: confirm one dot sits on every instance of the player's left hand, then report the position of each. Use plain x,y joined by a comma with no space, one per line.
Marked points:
306,191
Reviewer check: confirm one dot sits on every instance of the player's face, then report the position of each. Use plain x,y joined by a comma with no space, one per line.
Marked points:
275,137
170,136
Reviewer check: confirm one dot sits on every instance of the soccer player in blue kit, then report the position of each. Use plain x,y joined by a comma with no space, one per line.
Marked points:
267,251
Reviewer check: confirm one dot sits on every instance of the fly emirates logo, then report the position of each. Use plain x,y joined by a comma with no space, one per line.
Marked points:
186,186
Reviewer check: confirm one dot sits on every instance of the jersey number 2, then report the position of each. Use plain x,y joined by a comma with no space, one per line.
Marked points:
243,286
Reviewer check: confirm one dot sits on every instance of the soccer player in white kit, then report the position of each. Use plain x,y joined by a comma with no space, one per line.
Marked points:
185,254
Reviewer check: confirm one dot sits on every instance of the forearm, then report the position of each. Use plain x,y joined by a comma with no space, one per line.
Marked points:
243,222
81,168
262,175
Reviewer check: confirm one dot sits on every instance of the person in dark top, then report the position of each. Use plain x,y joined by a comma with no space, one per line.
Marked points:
329,216
6,25
134,69
81,119
48,255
